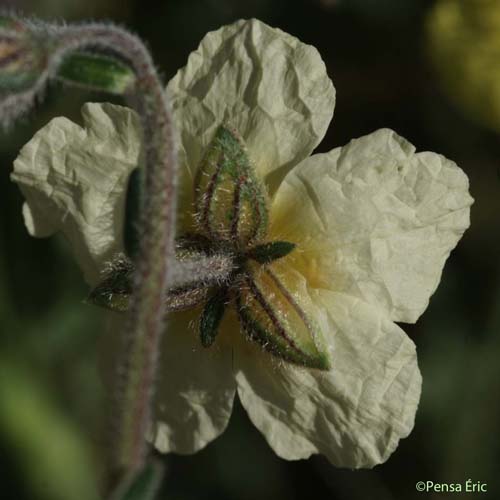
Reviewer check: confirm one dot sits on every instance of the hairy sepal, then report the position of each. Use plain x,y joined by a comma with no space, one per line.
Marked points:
115,289
271,315
230,202
212,316
268,252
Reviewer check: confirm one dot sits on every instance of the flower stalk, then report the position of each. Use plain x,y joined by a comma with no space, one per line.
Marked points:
156,250
44,51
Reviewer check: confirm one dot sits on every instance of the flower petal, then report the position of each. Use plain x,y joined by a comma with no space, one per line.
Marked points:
195,391
354,414
263,82
374,220
74,180
195,386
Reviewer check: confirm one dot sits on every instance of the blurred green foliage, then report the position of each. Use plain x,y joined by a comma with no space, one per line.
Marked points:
54,455
464,45
52,404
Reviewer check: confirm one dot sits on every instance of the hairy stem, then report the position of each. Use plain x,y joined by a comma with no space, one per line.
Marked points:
157,227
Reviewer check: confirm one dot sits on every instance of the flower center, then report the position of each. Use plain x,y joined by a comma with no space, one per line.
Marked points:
231,223
228,291
231,212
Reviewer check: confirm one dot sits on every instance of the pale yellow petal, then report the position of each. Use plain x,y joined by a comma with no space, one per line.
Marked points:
266,83
354,414
374,220
74,180
195,390
195,386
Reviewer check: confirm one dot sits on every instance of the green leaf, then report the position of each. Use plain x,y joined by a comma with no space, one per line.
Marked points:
55,460
97,72
212,316
230,201
268,252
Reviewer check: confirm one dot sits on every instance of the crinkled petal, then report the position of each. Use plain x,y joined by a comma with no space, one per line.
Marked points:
195,386
374,220
74,180
354,414
195,390
265,83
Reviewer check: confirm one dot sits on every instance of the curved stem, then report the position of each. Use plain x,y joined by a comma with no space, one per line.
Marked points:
157,222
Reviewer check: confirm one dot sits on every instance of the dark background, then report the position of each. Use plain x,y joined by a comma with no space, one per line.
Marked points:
388,73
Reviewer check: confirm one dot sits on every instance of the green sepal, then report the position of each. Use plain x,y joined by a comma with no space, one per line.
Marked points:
230,201
211,317
256,332
132,210
97,72
267,252
194,243
114,291
271,316
144,485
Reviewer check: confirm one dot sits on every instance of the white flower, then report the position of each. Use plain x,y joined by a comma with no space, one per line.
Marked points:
373,223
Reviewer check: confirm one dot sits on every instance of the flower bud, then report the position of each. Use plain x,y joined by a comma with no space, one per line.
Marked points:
22,57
